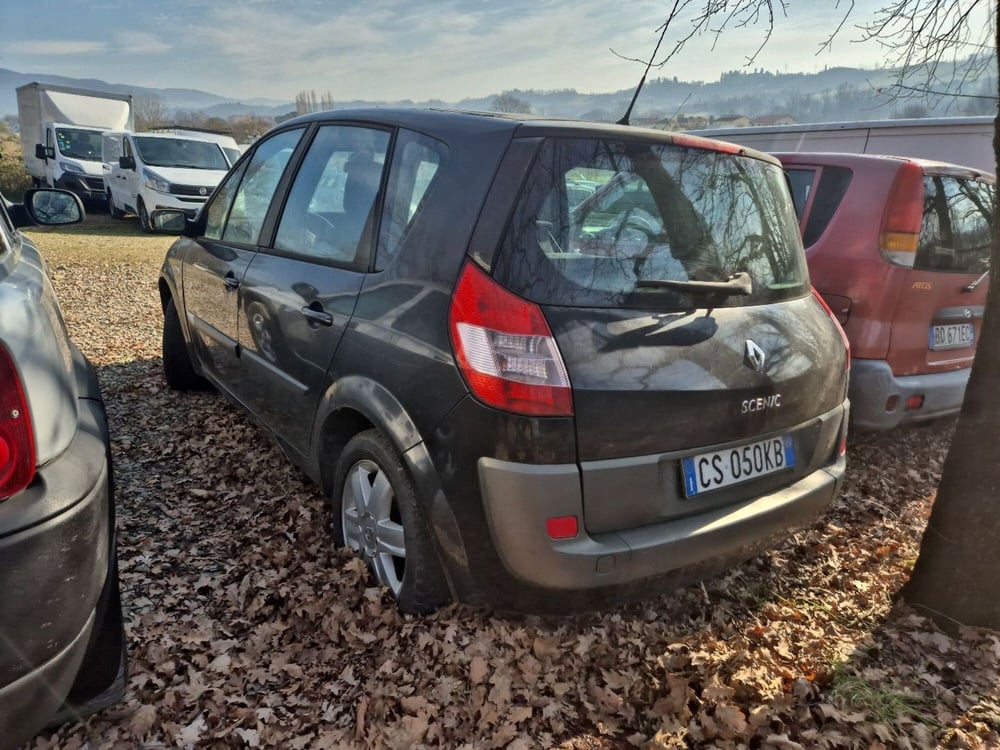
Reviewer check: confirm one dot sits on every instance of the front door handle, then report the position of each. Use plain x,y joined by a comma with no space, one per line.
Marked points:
231,281
317,316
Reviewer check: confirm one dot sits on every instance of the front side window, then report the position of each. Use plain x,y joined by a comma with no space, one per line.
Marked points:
957,230
655,215
330,209
252,199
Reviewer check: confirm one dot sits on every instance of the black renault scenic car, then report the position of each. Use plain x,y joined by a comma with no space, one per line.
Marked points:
514,391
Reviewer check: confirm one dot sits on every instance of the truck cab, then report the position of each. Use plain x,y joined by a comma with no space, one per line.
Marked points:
71,160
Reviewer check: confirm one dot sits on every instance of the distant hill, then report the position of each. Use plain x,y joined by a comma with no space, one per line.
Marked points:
175,99
829,95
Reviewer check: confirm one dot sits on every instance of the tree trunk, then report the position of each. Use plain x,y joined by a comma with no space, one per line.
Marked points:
957,576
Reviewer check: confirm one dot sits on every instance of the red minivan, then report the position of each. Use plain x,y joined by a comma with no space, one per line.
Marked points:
899,248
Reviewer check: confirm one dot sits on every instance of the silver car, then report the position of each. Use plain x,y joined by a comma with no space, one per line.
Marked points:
62,644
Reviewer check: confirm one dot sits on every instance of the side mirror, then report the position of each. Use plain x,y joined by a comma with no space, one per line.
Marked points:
41,152
126,162
170,221
49,207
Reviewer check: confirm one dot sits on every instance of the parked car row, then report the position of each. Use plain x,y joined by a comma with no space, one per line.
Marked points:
540,365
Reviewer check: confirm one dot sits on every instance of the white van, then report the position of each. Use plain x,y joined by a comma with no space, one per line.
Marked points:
147,171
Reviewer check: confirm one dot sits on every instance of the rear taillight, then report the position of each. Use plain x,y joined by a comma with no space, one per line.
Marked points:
17,441
505,350
904,215
840,329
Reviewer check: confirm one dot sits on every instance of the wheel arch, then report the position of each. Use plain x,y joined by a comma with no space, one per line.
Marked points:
355,403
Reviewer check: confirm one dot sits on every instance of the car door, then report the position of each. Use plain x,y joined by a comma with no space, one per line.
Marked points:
298,295
214,263
129,179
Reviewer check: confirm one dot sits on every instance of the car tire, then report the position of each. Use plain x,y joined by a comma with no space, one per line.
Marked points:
113,210
143,215
177,368
389,521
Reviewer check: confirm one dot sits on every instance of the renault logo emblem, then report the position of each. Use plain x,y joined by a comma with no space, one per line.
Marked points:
754,357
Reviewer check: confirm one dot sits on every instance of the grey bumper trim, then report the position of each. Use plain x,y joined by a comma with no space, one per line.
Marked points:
520,497
872,383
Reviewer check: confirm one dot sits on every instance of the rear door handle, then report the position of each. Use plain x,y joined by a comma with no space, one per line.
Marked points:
231,281
317,316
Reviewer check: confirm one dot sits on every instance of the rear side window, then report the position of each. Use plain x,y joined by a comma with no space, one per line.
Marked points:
957,230
416,162
829,189
601,222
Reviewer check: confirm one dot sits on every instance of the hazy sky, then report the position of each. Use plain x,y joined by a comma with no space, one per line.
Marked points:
397,49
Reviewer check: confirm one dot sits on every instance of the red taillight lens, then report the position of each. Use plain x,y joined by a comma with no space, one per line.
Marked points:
505,350
17,440
904,215
840,329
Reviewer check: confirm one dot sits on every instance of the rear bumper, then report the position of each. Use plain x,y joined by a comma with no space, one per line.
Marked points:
54,558
520,497
873,384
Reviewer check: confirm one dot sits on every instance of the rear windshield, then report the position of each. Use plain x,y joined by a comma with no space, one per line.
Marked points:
600,222
957,229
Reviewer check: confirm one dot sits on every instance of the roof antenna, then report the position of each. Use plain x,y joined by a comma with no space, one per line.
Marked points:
642,81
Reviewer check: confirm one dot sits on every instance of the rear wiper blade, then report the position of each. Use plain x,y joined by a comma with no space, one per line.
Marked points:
738,283
972,287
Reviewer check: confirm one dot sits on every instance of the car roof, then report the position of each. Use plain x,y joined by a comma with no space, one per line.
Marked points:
844,159
469,122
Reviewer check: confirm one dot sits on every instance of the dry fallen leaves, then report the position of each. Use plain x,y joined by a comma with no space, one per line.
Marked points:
247,629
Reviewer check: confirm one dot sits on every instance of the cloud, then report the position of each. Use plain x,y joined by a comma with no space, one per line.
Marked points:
139,43
422,49
55,47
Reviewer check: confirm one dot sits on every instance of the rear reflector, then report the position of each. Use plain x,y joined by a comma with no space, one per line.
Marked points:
17,440
842,448
904,214
562,527
505,350
914,402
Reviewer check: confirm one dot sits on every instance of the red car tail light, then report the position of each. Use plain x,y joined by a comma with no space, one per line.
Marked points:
17,440
904,214
505,350
840,329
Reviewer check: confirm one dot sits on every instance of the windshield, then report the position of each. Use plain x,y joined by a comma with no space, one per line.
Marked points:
605,223
180,152
79,144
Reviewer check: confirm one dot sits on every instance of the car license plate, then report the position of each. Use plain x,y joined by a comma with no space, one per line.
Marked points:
955,336
712,471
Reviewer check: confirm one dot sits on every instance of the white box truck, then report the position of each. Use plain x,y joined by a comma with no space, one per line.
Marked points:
61,129
967,141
